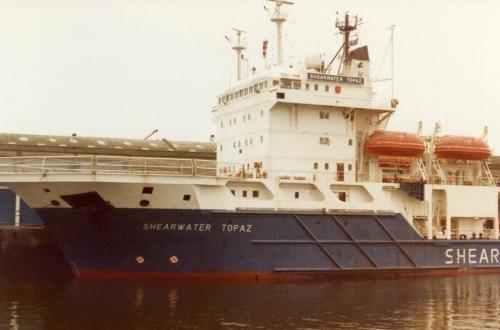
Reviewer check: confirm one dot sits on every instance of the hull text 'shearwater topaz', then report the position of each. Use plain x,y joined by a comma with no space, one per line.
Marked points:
307,182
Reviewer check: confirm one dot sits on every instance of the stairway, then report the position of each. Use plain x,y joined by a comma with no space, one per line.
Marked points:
437,168
489,175
421,170
382,122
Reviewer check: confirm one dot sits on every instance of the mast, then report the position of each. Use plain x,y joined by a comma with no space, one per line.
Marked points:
392,60
345,27
279,18
238,47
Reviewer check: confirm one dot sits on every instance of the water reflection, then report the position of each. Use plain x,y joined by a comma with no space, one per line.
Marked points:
13,316
421,303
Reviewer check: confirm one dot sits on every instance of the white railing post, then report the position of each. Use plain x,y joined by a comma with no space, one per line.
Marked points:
17,215
93,165
43,165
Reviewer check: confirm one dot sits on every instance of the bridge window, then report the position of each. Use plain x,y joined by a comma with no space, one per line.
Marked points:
186,197
350,142
233,192
315,87
307,87
255,194
327,88
297,195
327,166
244,193
315,166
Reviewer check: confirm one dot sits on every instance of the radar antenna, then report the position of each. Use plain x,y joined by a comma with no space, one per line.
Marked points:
238,46
346,27
279,18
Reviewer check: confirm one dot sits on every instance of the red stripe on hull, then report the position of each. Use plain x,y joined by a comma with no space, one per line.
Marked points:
277,276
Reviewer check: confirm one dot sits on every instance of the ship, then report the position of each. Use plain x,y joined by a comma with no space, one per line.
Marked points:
307,182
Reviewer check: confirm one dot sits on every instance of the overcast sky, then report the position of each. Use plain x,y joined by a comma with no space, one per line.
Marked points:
123,68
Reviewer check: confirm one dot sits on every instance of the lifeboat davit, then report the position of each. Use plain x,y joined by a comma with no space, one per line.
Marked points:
394,162
394,144
462,147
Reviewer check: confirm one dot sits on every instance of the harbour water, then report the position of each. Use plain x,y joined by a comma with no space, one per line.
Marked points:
463,302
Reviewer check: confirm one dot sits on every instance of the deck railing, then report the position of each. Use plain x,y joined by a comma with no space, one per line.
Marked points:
45,165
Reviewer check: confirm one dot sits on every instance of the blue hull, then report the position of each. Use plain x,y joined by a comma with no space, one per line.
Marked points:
144,242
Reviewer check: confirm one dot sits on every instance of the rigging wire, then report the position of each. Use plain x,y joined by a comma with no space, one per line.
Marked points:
383,60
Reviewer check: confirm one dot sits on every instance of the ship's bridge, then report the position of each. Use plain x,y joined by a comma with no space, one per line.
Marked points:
298,120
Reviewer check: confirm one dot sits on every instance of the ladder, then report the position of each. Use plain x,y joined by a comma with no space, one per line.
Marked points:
382,122
437,168
421,169
489,176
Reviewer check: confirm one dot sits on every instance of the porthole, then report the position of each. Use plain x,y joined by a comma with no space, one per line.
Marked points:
47,190
139,260
144,203
55,203
174,259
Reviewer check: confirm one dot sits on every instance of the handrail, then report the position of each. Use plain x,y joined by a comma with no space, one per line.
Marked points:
45,165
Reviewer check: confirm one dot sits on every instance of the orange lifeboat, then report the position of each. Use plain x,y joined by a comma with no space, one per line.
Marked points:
462,147
394,162
394,144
